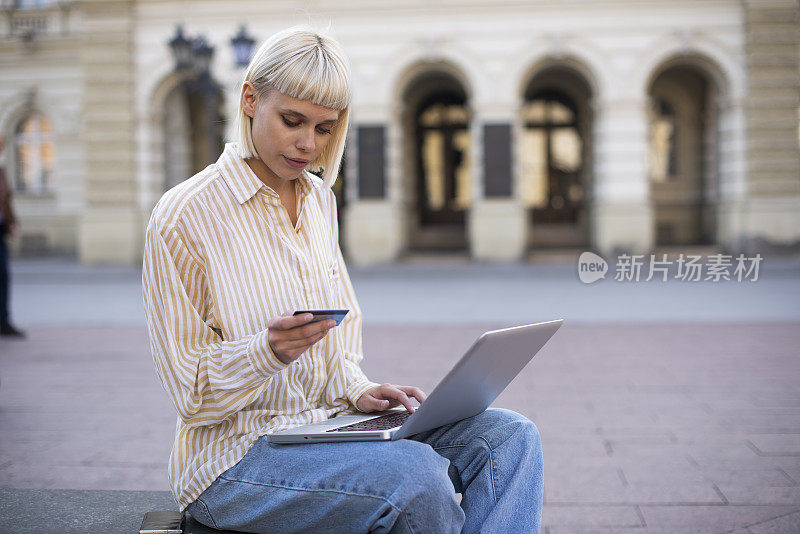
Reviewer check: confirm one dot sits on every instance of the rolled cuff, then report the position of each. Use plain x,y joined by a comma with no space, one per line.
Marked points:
358,388
262,358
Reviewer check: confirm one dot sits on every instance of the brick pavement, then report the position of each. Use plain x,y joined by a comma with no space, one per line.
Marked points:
646,427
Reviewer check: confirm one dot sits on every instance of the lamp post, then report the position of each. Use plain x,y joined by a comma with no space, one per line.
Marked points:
242,47
193,58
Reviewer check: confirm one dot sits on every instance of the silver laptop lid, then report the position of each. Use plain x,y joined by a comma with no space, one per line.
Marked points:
480,376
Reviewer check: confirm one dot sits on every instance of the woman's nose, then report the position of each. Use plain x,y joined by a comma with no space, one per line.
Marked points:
306,141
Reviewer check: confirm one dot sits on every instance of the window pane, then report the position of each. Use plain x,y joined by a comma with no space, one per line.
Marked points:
44,124
534,111
534,168
461,143
35,154
433,167
432,116
27,162
48,163
457,115
560,114
566,149
30,125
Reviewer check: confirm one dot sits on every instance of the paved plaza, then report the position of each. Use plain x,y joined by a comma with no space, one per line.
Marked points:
664,407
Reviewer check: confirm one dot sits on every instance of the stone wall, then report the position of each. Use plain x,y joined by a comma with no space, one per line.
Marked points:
110,229
773,65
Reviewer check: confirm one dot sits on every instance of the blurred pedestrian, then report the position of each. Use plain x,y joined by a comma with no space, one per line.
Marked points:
8,226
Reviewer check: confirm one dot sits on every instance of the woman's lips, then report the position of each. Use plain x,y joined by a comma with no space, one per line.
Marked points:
296,163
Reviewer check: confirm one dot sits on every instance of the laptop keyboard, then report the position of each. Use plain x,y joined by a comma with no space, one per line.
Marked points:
383,422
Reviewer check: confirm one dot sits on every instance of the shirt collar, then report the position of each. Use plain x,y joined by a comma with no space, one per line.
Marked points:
243,182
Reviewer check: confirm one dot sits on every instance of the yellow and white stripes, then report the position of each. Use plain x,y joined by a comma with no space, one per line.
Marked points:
221,258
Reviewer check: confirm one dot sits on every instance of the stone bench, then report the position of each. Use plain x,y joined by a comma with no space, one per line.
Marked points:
36,511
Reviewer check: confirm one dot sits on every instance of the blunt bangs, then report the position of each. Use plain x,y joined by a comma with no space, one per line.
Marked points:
312,75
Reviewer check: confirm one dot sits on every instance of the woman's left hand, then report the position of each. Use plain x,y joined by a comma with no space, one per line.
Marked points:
388,396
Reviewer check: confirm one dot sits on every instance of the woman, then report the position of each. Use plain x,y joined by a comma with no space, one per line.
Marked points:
229,254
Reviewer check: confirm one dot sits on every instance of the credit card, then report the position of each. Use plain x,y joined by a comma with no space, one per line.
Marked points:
321,315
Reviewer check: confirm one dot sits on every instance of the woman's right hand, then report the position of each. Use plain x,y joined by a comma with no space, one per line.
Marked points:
290,335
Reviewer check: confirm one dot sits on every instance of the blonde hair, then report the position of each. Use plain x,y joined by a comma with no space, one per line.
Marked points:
302,63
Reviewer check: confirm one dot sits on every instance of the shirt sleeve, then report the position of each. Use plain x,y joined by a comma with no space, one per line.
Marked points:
207,378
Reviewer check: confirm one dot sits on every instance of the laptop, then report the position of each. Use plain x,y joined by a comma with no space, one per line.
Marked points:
482,373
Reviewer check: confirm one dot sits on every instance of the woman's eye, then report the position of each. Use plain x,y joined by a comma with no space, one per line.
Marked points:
324,131
287,122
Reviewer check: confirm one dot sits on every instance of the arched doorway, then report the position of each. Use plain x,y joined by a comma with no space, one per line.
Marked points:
192,127
682,156
437,125
555,152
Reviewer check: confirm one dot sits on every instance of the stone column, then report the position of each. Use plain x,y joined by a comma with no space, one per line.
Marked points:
773,64
621,213
497,220
372,223
110,226
732,169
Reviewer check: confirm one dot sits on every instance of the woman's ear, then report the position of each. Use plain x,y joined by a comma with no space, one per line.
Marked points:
248,99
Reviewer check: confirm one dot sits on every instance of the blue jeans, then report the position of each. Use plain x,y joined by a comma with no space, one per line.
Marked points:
493,459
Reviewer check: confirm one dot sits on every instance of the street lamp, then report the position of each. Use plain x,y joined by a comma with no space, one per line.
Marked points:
181,49
191,54
242,47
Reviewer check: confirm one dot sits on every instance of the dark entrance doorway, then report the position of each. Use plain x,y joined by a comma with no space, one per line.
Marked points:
555,158
682,156
439,127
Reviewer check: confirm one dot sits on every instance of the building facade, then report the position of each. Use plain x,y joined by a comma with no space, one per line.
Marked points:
490,128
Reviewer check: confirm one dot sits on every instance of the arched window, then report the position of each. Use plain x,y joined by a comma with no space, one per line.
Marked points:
34,154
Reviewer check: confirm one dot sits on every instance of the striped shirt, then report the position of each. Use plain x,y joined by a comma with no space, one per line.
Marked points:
221,258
